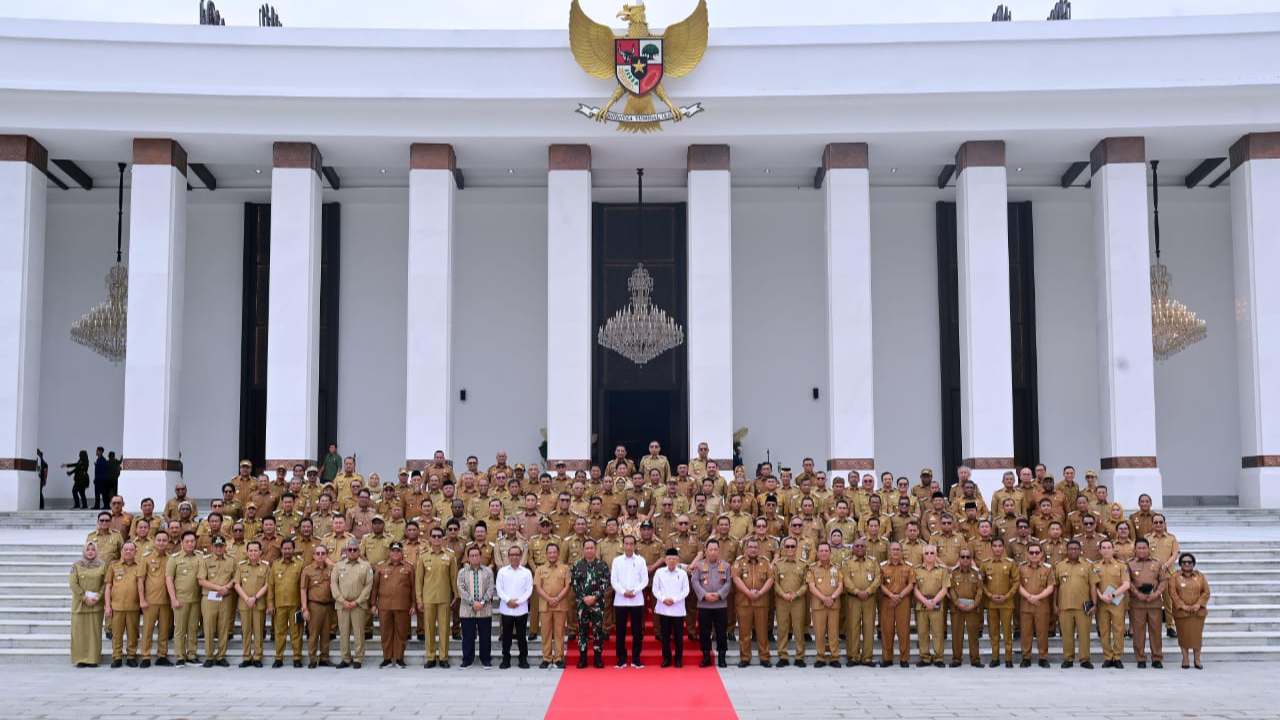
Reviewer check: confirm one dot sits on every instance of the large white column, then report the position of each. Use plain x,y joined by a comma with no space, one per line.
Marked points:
429,305
153,355
986,373
22,215
293,305
1125,362
569,331
1255,239
850,395
710,303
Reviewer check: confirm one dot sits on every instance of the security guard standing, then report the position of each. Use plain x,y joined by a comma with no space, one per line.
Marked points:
253,576
1077,586
752,585
897,581
1000,588
932,583
825,591
285,599
966,608
435,576
861,576
791,595
393,598
216,574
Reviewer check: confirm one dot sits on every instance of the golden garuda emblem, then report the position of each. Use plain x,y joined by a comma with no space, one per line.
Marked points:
638,60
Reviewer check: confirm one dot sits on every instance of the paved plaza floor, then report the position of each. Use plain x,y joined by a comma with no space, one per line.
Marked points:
1238,690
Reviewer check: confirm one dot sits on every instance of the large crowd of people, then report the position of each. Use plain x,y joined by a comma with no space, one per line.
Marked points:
773,560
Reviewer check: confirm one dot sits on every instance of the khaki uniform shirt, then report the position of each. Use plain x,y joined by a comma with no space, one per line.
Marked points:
551,579
124,578
1111,573
435,576
109,544
790,576
753,574
896,577
966,585
931,581
949,548
156,566
317,582
1075,579
861,574
1000,577
219,571
375,548
1034,579
826,578
252,577
1147,573
185,571
351,582
393,585
286,583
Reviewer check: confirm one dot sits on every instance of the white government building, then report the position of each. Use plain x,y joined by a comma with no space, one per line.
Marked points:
894,247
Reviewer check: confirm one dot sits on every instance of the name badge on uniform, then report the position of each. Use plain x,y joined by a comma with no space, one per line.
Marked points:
870,577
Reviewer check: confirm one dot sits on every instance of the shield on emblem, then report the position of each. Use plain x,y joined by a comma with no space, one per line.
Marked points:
638,63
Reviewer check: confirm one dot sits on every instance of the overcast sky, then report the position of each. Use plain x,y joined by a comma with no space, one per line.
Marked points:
554,13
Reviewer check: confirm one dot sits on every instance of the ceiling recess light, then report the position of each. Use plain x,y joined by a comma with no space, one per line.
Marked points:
1019,169
893,170
383,171
257,171
768,170
511,171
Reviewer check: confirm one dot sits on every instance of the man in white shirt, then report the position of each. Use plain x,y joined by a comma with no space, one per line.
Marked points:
670,588
629,575
514,586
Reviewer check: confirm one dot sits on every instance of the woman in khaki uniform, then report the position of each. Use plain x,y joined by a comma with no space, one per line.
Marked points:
87,579
1190,594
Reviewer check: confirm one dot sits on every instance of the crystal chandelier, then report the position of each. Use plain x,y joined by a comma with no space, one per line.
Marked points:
1174,326
102,329
640,331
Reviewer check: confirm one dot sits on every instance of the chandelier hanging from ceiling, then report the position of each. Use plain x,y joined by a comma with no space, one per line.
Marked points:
640,331
102,329
1174,326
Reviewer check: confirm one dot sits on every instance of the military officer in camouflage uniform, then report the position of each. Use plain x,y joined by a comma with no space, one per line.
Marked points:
590,580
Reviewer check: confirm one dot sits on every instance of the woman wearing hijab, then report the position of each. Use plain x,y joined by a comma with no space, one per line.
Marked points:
79,470
1190,596
87,579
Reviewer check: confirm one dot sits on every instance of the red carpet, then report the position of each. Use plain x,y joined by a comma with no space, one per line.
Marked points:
640,694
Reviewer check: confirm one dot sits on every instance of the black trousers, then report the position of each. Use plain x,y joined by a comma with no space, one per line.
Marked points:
633,614
713,620
669,629
519,625
472,628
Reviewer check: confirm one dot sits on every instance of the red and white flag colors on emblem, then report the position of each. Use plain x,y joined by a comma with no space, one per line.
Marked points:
638,63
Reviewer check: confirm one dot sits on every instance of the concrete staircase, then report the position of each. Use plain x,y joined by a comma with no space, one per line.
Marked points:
1243,623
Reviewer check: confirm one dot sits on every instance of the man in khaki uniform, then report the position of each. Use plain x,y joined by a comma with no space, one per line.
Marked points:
1111,596
752,585
351,583
107,540
551,585
434,589
861,576
182,573
791,594
124,593
317,605
1000,587
1035,607
825,590
932,581
966,609
285,600
897,581
217,574
157,614
537,557
1148,579
253,578
393,600
1077,587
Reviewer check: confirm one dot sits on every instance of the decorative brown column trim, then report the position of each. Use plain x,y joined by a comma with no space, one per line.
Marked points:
24,148
845,156
1259,461
1255,146
432,156
1117,150
23,464
979,153
846,464
151,464
723,463
570,465
989,463
708,157
270,464
569,157
1129,462
296,155
159,151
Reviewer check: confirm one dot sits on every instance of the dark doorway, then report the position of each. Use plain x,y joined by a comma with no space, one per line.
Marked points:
1022,327
253,330
633,404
